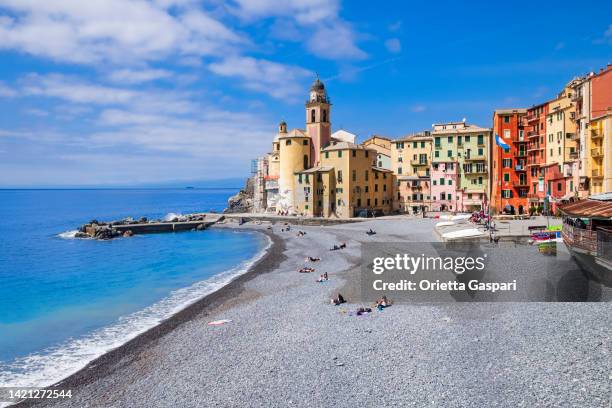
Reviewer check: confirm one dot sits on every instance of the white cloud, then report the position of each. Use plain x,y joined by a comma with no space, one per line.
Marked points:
317,22
36,112
336,41
304,11
6,91
130,76
393,45
395,26
418,108
110,30
278,80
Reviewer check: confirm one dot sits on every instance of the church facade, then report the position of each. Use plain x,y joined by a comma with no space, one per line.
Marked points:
312,172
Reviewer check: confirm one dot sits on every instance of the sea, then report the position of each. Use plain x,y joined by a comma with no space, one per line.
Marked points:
66,301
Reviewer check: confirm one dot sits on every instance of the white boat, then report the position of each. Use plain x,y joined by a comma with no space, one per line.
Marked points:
464,233
445,224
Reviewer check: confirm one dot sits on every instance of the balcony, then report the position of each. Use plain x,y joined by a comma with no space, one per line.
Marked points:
531,117
521,184
418,163
574,155
416,188
437,146
521,153
596,173
519,167
534,148
597,152
596,134
475,158
533,133
475,171
570,136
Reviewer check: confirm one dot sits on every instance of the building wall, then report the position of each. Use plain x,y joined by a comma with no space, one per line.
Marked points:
444,186
294,157
601,93
536,153
600,157
509,185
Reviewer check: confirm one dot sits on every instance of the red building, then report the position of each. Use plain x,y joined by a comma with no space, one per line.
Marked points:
535,126
509,186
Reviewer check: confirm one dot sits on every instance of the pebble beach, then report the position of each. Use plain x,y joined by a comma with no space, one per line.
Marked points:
286,345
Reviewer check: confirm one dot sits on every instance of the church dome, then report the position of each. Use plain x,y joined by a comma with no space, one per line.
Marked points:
317,85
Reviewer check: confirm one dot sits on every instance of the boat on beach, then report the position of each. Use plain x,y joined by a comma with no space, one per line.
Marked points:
587,233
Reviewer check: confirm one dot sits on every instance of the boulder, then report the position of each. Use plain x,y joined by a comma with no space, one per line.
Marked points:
128,234
243,201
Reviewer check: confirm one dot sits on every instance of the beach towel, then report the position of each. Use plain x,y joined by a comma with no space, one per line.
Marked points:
218,322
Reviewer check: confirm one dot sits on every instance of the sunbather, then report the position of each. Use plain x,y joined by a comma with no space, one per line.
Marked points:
312,259
338,301
323,278
306,270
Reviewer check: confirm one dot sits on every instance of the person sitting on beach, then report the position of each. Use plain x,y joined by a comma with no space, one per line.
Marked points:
335,248
323,278
371,232
343,245
382,303
338,301
311,259
306,270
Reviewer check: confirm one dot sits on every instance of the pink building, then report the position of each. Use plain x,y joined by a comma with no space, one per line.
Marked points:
444,179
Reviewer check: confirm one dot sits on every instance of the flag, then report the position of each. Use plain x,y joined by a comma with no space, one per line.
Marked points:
501,143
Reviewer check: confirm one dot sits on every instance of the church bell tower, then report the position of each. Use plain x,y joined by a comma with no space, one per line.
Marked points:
318,124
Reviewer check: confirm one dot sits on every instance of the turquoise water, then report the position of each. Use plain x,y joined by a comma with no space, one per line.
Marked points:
65,301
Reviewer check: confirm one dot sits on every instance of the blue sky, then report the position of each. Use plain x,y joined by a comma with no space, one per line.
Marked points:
103,92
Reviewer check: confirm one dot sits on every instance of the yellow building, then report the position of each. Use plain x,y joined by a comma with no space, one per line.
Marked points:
310,172
600,154
382,145
410,161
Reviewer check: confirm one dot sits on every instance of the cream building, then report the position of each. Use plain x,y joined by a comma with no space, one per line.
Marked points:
411,161
382,145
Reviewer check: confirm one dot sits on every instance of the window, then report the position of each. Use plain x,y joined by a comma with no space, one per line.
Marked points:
367,153
300,178
449,153
384,187
506,177
437,142
354,175
339,153
480,139
367,189
422,145
481,151
400,159
450,182
306,161
399,145
339,176
414,144
376,202
559,187
312,115
324,115
506,133
288,142
506,119
434,182
571,185
458,140
442,196
368,202
354,152
399,170
367,175
305,142
479,180
376,188
450,140
467,139
507,163
441,181
327,155
436,153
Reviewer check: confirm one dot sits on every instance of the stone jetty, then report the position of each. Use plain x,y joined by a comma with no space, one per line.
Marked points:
127,227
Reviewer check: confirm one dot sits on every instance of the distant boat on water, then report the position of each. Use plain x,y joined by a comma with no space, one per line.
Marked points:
189,188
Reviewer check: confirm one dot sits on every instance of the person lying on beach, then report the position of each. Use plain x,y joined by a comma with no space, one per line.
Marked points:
311,259
343,245
335,248
306,270
323,278
363,310
371,232
338,301
301,233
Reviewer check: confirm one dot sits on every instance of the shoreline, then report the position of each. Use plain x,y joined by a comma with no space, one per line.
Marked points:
225,297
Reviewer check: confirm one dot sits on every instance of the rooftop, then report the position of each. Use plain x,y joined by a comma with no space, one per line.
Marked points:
346,146
510,111
599,206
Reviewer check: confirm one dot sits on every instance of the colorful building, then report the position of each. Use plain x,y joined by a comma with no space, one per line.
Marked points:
600,134
464,151
535,126
509,186
411,161
382,145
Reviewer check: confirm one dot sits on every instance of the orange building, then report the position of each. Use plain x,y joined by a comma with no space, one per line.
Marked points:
509,184
535,126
